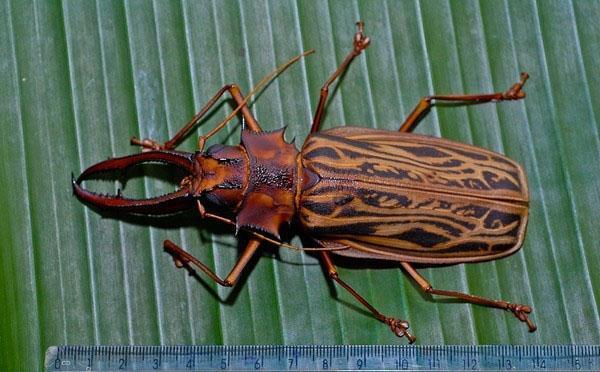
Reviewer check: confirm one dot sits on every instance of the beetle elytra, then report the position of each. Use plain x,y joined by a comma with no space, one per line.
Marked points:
356,192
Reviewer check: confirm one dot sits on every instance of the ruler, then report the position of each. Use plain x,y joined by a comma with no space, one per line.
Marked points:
316,357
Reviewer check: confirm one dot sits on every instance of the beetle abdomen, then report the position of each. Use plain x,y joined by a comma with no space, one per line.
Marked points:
412,198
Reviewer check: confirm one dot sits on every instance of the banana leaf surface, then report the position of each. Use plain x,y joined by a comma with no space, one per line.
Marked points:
78,79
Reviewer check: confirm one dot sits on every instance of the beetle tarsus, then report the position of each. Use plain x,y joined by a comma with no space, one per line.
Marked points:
516,92
361,42
521,312
400,328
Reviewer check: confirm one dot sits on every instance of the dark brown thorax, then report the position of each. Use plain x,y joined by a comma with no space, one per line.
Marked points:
269,198
256,180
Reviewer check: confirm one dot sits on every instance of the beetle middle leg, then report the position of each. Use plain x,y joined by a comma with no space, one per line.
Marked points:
399,327
424,106
361,42
520,311
237,96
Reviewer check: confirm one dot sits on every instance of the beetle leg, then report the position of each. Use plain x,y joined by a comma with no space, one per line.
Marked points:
399,327
520,311
234,91
361,42
184,259
424,106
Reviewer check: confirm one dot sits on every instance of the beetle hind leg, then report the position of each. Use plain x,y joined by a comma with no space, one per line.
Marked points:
399,327
520,311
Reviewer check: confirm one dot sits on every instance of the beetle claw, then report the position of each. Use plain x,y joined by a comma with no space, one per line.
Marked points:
520,312
361,42
400,328
516,92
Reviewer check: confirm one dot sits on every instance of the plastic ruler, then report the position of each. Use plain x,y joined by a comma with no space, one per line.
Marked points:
321,357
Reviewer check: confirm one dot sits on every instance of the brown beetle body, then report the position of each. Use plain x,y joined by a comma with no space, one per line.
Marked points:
412,198
360,193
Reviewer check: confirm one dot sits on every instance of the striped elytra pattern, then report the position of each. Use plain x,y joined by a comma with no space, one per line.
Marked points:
410,197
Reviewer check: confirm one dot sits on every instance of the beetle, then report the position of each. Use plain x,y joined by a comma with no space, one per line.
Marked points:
355,192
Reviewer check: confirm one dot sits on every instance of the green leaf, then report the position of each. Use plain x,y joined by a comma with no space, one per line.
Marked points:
80,78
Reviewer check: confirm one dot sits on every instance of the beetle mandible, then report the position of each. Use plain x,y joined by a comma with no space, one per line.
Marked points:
356,192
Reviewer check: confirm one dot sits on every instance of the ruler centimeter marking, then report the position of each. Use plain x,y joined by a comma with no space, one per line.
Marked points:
324,357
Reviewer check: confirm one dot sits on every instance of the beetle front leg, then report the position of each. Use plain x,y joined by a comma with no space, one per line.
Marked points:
399,327
520,311
425,104
184,259
236,94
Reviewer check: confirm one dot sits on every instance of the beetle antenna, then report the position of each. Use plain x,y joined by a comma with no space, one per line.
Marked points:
258,87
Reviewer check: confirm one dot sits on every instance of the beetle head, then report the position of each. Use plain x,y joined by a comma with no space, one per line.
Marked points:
217,176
